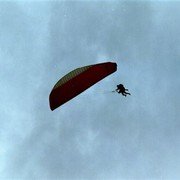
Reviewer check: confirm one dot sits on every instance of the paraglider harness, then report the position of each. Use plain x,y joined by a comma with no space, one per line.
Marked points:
121,89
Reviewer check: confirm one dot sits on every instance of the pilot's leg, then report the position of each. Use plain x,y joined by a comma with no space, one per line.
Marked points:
128,93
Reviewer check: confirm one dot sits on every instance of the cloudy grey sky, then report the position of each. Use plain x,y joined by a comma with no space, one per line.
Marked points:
97,135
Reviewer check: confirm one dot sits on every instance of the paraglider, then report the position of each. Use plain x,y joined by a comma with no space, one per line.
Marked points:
121,89
77,81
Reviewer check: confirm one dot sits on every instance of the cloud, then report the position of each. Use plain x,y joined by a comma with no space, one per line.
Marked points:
96,135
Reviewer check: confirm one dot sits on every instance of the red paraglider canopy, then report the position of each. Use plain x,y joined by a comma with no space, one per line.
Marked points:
78,81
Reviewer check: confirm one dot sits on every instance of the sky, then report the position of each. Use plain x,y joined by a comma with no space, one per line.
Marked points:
97,135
